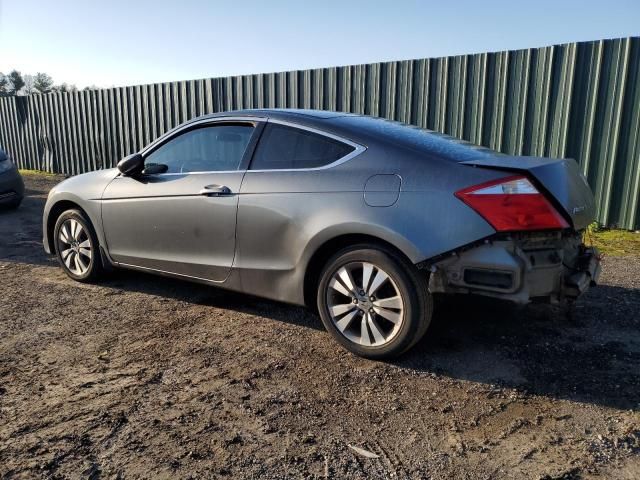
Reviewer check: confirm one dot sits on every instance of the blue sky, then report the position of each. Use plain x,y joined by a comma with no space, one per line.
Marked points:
117,42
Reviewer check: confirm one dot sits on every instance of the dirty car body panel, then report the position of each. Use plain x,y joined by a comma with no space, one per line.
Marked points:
393,184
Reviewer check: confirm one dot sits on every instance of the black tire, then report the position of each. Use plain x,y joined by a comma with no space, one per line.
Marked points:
95,269
407,281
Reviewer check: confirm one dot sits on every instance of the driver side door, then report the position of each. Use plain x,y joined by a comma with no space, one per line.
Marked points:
182,221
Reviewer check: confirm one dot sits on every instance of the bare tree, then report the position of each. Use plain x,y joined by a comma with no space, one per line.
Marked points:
43,83
29,84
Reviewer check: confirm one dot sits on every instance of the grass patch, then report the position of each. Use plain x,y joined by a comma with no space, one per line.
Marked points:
36,172
618,243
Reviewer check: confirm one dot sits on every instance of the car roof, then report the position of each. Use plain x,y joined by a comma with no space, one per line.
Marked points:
292,114
365,129
324,120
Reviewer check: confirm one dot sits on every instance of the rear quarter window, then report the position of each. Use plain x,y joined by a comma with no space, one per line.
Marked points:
283,147
418,139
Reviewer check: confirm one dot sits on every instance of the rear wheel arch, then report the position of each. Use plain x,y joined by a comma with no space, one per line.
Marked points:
373,301
326,250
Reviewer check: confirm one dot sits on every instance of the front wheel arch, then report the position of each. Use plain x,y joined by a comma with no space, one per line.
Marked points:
54,213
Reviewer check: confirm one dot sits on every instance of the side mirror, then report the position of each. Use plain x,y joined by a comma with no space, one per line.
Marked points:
131,165
155,168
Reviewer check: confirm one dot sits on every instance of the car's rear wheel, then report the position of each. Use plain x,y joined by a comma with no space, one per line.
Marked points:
76,246
373,301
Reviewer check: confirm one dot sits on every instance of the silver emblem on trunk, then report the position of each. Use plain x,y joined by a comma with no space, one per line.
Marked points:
579,209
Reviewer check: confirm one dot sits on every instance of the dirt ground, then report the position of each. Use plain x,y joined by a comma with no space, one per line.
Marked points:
144,377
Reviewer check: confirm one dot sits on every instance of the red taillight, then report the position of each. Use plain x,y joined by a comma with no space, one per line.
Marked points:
512,204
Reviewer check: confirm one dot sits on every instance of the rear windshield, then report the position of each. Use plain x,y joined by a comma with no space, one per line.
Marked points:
422,140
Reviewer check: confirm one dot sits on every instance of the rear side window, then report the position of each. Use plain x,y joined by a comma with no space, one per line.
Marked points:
283,147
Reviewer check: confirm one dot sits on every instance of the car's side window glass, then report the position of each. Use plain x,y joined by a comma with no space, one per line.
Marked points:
283,147
212,148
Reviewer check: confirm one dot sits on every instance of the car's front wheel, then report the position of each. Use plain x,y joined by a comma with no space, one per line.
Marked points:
76,246
374,302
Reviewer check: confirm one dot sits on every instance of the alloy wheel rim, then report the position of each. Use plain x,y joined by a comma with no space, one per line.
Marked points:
75,247
365,304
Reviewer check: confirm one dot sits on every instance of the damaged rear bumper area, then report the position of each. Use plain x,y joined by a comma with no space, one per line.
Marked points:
541,267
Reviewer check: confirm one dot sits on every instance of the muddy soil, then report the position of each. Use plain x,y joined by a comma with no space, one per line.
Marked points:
144,377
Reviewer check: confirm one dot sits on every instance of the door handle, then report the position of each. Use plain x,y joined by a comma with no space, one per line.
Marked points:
215,190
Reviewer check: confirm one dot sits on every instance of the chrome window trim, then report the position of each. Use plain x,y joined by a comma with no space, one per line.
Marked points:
176,131
358,149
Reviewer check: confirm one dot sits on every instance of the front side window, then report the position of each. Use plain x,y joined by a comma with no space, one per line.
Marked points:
205,149
283,147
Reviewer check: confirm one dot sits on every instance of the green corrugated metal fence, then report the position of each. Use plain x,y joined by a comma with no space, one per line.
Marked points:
578,100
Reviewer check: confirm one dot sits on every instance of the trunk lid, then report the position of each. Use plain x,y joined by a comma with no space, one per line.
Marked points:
561,179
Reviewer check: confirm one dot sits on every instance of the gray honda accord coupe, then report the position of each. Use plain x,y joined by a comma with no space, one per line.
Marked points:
361,218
